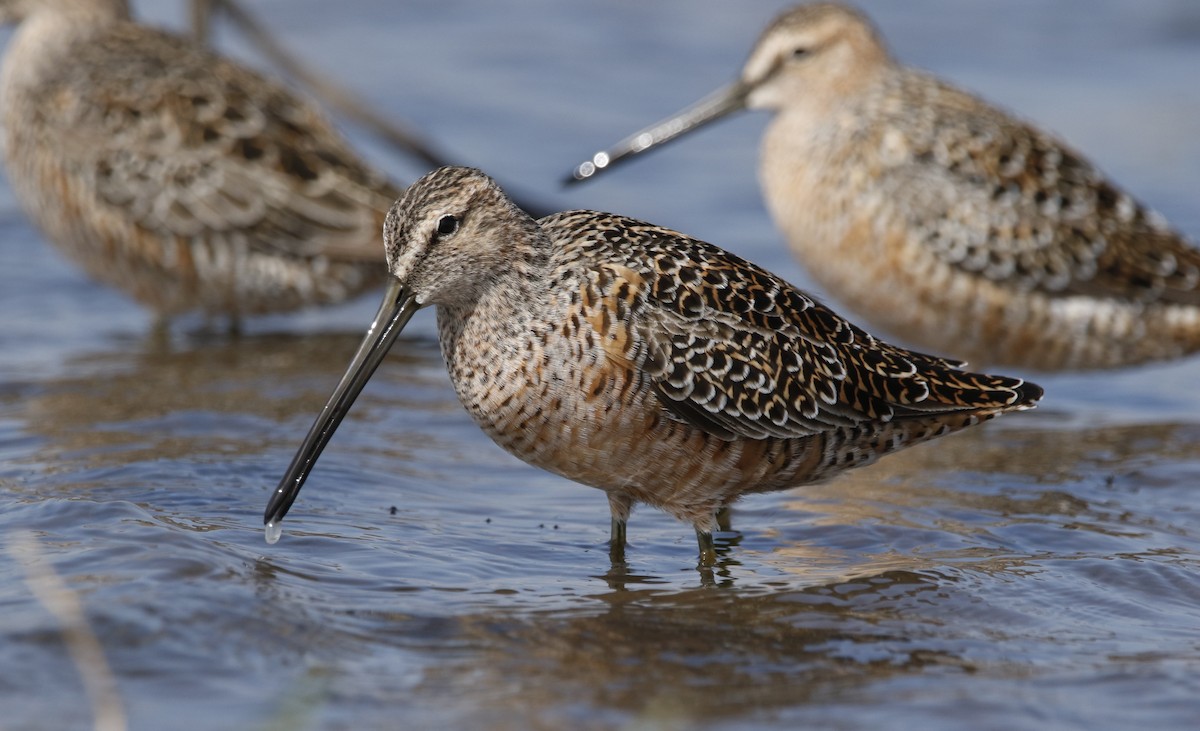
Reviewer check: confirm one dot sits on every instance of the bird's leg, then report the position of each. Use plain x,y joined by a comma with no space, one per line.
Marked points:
708,551
616,536
616,541
619,505
711,521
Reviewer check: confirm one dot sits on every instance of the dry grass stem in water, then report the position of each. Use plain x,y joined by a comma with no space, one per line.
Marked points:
85,649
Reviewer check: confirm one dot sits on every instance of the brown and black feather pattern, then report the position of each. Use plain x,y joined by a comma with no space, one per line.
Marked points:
179,176
656,367
736,351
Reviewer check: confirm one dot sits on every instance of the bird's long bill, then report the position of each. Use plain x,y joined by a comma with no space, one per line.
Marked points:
397,308
716,105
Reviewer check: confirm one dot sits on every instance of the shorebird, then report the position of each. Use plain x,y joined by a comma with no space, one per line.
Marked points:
178,176
624,356
941,219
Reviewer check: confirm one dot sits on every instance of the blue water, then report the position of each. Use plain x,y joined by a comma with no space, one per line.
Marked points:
1040,572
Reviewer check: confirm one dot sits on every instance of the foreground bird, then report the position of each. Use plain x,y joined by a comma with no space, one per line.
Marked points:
634,359
177,176
940,218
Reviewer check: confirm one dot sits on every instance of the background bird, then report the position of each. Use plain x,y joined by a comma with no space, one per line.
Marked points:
177,176
942,219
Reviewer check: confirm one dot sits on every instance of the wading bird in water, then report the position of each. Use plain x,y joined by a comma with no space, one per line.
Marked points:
632,358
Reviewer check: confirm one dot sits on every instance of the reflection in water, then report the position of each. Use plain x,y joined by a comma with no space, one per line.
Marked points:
672,658
663,658
1013,491
658,658
213,397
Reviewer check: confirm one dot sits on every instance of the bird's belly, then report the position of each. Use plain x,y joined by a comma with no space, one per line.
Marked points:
600,425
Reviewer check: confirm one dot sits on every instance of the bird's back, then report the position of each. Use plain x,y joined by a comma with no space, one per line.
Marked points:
1001,243
188,180
662,367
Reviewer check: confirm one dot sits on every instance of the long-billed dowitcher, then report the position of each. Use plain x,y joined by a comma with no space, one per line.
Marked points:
178,176
634,359
942,219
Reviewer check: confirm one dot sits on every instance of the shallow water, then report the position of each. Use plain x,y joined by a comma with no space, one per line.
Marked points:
1040,572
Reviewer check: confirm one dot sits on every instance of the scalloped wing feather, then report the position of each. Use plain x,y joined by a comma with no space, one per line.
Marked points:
1017,205
738,352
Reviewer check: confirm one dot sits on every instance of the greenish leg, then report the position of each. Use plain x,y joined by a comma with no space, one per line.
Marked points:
616,542
619,506
708,551
616,536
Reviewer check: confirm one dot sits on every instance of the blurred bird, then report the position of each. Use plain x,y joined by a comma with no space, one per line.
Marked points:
941,219
177,176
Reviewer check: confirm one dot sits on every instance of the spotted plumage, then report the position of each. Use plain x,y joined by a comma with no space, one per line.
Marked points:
178,176
635,359
942,219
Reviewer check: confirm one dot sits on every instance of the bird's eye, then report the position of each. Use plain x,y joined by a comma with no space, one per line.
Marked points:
447,225
800,52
